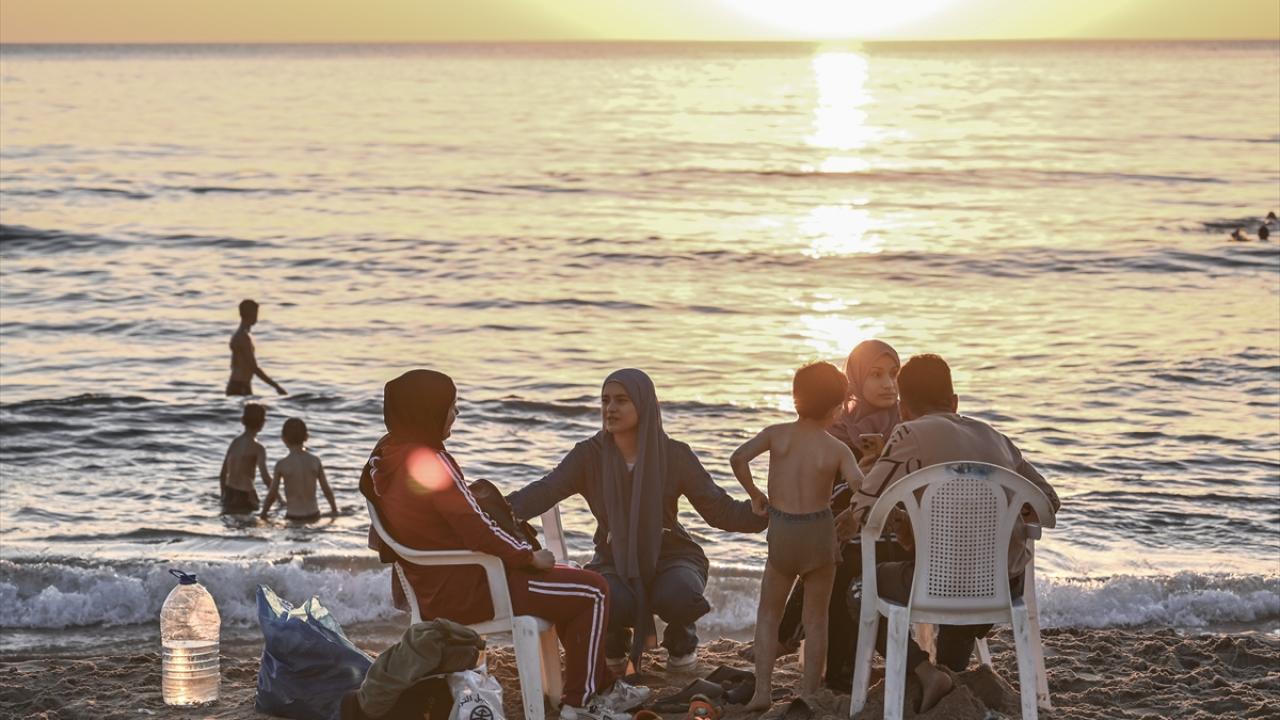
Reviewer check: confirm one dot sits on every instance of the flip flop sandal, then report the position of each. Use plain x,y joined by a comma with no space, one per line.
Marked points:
679,702
701,708
730,675
740,693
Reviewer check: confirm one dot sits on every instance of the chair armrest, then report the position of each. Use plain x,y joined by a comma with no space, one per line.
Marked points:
494,572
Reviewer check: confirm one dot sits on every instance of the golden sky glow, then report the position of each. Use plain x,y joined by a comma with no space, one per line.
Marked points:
451,20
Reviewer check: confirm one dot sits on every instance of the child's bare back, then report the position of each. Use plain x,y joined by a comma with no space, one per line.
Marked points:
298,474
244,456
804,462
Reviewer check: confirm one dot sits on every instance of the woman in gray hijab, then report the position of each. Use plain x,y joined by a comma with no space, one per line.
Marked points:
632,476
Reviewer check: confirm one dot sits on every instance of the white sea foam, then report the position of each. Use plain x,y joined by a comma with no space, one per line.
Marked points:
1185,600
49,595
53,595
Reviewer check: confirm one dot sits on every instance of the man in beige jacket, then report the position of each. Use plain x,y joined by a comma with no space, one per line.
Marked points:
931,433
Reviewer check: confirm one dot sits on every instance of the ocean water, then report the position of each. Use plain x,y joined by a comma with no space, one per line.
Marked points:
1050,218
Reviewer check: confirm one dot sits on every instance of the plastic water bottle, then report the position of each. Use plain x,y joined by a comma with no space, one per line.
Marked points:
189,625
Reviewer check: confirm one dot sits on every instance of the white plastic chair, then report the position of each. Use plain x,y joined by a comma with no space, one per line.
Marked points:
536,645
926,633
962,525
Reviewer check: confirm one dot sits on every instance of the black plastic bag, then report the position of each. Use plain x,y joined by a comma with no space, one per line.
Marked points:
308,664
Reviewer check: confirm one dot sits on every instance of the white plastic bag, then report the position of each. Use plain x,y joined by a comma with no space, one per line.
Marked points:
476,696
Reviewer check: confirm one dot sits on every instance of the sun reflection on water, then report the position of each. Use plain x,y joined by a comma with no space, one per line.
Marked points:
833,335
839,230
839,120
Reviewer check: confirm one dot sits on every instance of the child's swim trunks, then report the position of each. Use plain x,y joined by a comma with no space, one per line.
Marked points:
800,544
238,502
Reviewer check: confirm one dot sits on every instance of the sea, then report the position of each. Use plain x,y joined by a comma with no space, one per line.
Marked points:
1051,218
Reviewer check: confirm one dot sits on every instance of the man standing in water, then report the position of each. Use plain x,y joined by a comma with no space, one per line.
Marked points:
244,364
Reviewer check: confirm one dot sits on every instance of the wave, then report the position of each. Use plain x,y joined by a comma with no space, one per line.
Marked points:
56,595
59,595
23,238
1025,262
1002,176
40,241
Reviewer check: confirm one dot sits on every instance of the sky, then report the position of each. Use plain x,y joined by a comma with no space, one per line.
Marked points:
176,21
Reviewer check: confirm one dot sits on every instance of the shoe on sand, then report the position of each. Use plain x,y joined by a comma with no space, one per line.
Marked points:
680,663
679,701
616,704
625,696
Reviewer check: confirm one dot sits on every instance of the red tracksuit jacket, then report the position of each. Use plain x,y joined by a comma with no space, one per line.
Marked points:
425,504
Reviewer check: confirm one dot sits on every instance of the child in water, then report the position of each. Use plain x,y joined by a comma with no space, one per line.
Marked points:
300,470
235,481
804,463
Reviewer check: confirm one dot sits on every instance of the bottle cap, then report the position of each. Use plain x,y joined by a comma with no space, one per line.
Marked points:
183,578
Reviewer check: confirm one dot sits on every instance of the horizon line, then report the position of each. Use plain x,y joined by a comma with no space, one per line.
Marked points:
653,41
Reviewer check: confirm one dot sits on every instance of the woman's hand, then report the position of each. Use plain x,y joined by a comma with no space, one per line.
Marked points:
759,503
543,559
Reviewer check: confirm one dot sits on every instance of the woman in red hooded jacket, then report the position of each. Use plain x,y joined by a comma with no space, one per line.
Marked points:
424,503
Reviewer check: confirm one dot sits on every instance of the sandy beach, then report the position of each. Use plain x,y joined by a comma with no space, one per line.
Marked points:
1093,675
1077,224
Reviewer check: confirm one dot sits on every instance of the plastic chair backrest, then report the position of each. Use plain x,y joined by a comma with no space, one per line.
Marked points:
494,571
962,522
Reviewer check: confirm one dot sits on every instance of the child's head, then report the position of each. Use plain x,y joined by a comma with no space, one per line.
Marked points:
294,432
819,391
925,383
254,417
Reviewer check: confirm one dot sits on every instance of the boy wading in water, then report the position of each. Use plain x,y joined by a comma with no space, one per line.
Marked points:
244,456
804,462
300,471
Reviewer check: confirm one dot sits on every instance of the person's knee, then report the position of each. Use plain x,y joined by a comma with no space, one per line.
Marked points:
622,605
680,604
595,580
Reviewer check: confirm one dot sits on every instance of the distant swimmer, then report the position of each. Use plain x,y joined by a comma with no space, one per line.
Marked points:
1263,232
244,364
1237,235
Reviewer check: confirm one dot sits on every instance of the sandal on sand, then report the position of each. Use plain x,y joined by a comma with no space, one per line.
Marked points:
726,675
701,708
798,710
741,693
739,685
679,702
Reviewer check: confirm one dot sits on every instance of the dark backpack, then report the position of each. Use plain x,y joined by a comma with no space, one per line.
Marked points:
495,505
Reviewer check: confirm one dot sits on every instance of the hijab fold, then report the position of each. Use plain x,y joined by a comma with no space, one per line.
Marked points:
636,517
861,417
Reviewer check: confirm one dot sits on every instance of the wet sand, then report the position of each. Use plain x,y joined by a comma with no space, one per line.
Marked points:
1093,674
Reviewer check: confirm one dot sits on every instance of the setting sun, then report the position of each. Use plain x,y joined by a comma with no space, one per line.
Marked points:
839,18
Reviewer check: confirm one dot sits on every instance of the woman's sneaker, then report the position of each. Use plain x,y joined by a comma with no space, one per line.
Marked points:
616,704
625,696
680,663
